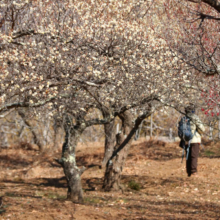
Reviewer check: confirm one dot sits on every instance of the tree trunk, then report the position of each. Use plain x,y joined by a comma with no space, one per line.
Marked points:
124,139
109,141
68,160
138,132
151,126
115,164
58,132
72,172
35,136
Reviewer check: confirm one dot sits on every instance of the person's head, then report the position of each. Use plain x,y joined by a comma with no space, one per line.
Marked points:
190,109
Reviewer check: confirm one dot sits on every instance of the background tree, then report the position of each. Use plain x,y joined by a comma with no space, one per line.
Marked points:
193,34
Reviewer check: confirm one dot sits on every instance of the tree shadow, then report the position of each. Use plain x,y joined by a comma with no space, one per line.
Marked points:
92,184
12,162
56,182
24,195
155,150
165,209
87,160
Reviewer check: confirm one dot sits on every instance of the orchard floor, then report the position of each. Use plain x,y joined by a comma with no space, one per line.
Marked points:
154,181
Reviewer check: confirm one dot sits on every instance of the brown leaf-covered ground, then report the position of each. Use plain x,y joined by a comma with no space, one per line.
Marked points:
154,181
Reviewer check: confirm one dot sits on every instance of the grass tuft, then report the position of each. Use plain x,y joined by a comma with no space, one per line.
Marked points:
134,185
91,200
209,153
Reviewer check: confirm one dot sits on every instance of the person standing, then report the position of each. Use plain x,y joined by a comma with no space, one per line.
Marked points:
197,129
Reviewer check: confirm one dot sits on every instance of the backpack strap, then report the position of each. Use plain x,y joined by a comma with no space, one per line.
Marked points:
187,153
184,148
183,151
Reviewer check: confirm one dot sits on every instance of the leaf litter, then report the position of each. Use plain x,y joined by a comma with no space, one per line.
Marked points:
165,190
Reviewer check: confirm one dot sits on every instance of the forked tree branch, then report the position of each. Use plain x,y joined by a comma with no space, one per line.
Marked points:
213,3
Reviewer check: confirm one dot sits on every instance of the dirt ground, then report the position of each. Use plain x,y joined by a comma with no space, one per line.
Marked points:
154,181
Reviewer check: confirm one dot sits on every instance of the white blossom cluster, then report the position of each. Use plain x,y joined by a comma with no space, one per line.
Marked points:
83,54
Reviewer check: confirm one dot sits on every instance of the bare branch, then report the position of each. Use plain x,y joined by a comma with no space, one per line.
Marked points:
22,34
28,104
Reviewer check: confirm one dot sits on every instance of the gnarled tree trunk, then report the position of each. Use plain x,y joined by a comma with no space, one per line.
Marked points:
109,138
116,162
72,172
68,160
124,139
35,136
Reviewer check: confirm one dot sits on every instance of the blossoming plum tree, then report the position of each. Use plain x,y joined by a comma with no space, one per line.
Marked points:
193,34
74,56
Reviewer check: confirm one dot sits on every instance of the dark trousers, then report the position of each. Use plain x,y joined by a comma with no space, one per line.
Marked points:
191,163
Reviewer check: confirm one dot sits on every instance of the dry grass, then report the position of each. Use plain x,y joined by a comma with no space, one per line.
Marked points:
37,190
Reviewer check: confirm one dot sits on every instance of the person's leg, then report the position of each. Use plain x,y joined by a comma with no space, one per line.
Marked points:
194,157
